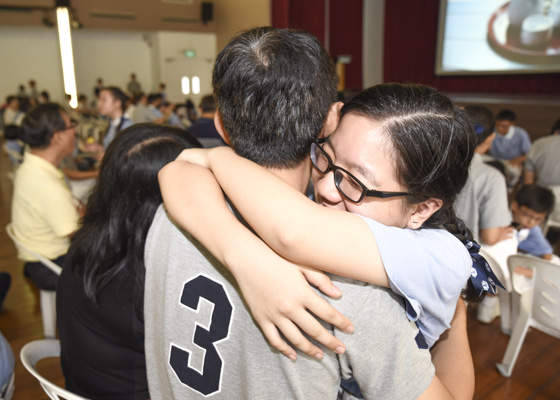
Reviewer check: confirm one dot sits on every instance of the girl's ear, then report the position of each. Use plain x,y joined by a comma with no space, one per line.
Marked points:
220,127
422,211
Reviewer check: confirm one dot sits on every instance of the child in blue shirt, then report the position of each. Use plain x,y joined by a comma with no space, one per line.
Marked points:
532,205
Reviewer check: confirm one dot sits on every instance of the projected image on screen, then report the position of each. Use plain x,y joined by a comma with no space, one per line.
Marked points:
498,36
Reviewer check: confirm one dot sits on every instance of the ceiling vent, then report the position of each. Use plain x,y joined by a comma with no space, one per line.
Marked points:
111,15
183,2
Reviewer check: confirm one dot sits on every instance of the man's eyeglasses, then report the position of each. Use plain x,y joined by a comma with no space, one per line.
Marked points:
347,184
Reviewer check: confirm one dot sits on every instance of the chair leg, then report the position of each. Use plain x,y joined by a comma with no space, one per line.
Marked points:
505,311
516,341
48,313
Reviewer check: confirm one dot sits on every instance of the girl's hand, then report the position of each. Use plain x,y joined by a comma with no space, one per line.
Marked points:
281,300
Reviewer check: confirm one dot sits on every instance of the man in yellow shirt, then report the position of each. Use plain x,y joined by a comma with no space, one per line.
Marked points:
44,215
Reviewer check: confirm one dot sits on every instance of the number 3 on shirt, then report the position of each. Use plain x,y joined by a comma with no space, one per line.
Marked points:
207,382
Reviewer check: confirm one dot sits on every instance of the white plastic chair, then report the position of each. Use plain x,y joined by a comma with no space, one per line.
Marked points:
34,352
8,389
47,297
540,307
508,312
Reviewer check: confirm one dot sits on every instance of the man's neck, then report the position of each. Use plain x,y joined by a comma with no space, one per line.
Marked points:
49,154
297,177
207,115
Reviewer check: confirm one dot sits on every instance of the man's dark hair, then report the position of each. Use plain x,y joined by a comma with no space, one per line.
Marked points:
274,88
482,120
207,104
537,198
117,94
506,115
10,98
41,123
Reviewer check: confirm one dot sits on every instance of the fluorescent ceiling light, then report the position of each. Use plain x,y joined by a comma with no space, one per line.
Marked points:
65,40
195,85
185,85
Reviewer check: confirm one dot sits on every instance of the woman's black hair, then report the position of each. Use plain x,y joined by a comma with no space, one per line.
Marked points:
434,143
117,94
120,209
40,124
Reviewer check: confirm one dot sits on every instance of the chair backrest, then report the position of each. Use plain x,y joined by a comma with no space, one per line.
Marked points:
500,252
37,350
498,270
545,310
42,259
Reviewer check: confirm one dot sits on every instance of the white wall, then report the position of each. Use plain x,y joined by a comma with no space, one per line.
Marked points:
112,55
30,53
172,64
373,37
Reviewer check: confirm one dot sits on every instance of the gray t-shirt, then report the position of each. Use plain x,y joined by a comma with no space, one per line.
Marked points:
201,340
483,204
543,159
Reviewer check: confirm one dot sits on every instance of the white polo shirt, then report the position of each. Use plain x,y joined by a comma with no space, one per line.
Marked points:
43,211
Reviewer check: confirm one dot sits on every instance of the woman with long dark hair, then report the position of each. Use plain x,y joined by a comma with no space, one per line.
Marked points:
100,294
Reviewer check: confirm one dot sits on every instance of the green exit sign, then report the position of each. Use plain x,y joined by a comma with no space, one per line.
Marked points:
190,53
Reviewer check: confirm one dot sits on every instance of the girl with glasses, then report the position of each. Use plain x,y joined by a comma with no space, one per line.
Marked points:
397,161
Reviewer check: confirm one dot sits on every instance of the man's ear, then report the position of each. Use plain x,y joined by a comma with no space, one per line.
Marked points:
220,127
422,211
331,122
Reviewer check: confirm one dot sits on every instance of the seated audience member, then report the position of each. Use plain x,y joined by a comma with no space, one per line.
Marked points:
45,97
100,292
532,205
161,91
543,166
182,360
146,110
33,91
21,91
510,145
483,203
97,88
167,108
12,114
204,128
44,215
112,104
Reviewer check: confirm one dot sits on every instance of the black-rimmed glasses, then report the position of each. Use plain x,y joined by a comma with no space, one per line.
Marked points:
347,184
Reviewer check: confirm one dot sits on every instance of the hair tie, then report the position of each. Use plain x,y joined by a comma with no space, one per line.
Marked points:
482,276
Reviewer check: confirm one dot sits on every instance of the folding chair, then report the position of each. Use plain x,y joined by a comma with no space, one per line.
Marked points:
34,352
48,297
540,307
